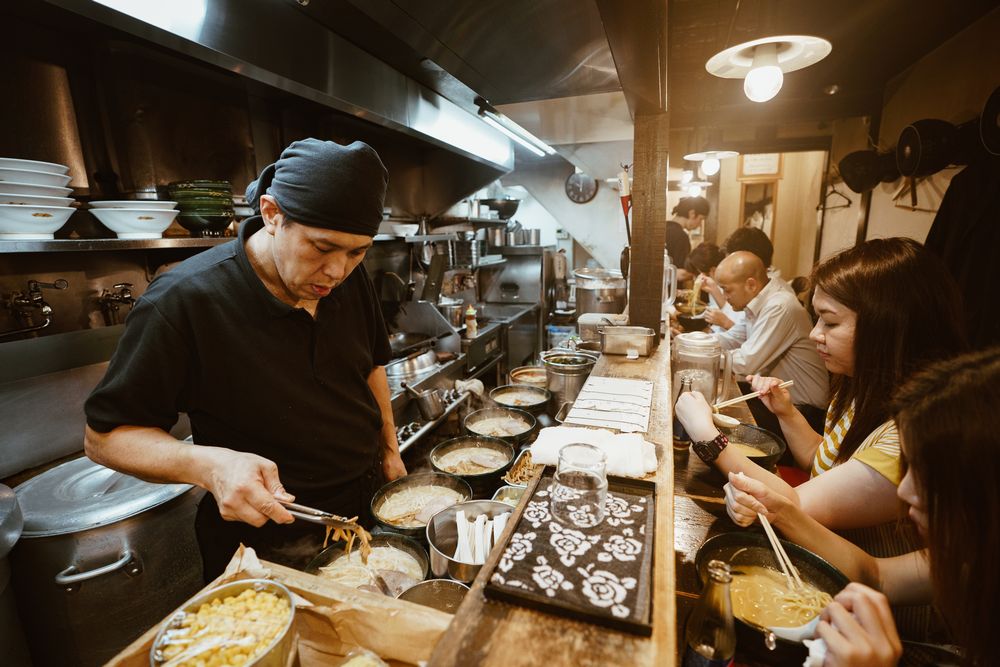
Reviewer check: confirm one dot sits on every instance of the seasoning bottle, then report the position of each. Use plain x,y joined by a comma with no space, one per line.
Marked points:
711,633
681,438
471,325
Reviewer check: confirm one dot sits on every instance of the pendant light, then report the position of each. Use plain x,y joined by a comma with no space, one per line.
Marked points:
762,63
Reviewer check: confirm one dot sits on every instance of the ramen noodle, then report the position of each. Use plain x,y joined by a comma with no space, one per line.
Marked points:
746,450
519,397
414,506
762,596
471,461
499,427
398,569
522,471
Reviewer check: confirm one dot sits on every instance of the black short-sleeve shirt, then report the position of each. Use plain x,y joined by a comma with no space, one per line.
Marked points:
678,244
252,373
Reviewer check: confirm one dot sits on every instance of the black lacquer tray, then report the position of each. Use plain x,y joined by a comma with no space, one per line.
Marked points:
601,575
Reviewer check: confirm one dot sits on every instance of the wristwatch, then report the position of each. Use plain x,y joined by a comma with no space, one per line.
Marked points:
709,450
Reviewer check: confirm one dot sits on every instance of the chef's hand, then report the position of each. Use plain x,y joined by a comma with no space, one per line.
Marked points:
718,318
696,415
392,466
858,629
246,487
775,398
746,498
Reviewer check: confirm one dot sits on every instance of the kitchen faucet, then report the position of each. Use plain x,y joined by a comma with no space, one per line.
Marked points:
26,306
111,302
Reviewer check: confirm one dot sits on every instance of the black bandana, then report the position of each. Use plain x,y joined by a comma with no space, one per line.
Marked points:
325,184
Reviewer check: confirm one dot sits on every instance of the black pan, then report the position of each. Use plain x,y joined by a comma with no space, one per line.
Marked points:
753,548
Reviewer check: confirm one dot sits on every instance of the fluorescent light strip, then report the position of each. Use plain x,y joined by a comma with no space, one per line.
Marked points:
517,129
510,133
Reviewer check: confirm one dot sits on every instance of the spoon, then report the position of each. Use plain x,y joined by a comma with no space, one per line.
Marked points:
725,421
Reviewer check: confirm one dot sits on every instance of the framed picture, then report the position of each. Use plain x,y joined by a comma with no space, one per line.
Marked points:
758,201
765,166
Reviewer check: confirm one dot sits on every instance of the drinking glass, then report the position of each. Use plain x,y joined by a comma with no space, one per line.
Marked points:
580,486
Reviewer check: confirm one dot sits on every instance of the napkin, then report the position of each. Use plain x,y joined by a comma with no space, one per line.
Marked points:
629,455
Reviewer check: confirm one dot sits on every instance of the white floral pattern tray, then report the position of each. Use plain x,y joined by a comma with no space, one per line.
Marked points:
602,575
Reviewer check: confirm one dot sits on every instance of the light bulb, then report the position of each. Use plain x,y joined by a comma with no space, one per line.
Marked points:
710,167
694,191
687,176
764,79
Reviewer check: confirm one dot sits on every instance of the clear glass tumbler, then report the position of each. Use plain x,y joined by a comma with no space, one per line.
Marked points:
580,486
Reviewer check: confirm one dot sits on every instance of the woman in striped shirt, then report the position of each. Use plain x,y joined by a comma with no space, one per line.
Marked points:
886,308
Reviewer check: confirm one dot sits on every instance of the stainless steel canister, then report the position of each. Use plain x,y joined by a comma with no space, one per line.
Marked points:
600,291
566,372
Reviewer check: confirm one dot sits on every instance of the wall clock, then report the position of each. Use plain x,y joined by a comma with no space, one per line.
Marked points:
580,187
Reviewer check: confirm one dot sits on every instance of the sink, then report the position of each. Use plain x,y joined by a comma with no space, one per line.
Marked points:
503,312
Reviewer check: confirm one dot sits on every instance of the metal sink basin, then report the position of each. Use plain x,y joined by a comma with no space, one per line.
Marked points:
503,312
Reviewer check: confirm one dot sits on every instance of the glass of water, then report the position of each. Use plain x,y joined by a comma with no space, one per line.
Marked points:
580,486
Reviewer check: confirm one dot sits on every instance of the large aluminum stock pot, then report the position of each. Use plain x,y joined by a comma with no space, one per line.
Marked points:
103,557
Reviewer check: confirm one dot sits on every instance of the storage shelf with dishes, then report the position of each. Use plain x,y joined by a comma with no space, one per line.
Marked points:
84,245
34,198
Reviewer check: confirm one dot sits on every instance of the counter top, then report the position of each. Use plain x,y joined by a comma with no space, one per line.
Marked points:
489,633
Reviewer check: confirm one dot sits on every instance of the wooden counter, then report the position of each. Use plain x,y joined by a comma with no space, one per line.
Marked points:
491,633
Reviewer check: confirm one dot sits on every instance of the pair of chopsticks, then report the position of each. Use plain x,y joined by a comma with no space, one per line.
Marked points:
791,572
746,397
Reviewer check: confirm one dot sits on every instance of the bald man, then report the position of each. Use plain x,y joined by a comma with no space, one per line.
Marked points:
773,337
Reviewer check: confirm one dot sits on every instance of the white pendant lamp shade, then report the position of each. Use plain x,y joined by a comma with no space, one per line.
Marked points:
763,62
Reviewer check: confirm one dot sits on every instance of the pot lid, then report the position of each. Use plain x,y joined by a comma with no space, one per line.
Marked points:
80,495
698,340
10,520
598,274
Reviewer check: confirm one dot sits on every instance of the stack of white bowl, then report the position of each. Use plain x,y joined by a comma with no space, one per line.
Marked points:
34,199
135,219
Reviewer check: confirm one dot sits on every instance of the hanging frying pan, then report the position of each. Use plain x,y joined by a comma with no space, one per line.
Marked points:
989,124
861,170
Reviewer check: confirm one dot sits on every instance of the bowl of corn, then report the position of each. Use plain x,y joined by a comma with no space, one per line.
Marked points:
243,623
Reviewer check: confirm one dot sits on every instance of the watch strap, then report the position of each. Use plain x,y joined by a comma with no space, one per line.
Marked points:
709,450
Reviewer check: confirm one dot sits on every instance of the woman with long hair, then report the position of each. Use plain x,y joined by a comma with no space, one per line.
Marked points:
949,423
886,308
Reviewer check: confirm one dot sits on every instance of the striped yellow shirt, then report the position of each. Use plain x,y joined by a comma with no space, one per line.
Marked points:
879,451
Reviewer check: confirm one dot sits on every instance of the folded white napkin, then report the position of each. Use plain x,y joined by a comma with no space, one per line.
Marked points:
629,455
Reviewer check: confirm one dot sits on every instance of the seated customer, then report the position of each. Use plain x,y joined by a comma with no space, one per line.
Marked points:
752,239
949,424
773,338
689,214
702,262
887,308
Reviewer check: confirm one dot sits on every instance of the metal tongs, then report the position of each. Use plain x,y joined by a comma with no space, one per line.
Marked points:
313,515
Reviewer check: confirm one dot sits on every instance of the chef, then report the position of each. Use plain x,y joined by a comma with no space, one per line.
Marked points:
274,346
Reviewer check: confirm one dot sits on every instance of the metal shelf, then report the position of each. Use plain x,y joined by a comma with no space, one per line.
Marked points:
476,222
83,245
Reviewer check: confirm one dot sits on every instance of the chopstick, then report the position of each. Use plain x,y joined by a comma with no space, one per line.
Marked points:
746,397
791,573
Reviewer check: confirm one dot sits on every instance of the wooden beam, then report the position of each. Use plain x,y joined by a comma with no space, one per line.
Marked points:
649,219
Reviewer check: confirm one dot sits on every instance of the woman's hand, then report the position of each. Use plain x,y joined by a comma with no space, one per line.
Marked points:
747,497
858,629
696,415
718,318
776,399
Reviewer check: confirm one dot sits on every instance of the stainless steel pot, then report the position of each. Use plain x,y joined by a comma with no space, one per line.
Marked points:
453,312
102,558
12,645
567,371
442,537
600,291
415,364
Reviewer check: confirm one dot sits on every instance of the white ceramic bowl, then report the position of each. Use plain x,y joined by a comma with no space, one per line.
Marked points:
135,203
31,222
32,176
18,163
135,223
33,189
33,200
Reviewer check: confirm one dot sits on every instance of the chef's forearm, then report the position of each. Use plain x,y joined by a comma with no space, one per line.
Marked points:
379,385
150,454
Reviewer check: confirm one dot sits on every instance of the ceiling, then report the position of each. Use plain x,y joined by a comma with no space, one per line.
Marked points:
512,51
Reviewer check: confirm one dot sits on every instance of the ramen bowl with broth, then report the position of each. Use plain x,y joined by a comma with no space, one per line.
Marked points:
522,396
406,505
759,445
511,425
761,599
478,460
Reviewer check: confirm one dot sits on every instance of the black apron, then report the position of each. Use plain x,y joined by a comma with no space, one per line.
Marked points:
294,544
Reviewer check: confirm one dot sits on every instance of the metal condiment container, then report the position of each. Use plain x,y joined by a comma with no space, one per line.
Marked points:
442,538
622,340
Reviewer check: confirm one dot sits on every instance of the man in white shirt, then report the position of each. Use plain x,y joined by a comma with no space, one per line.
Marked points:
773,337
